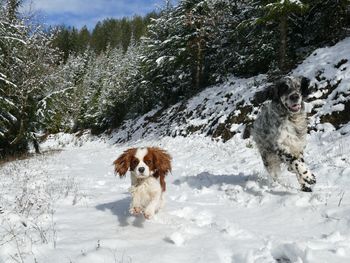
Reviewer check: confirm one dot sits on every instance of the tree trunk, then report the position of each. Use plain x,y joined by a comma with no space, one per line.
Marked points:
20,134
199,66
36,144
283,44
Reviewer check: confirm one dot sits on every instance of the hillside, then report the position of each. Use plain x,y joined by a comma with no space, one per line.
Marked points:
225,110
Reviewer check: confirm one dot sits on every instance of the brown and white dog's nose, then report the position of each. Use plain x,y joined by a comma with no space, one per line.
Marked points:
141,169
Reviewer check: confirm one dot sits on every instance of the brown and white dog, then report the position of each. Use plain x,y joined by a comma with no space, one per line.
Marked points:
148,168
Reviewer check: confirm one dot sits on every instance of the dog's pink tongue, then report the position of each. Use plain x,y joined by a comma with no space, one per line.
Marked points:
296,107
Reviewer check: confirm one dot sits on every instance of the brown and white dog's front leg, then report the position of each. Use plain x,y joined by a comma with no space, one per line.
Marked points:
153,205
135,206
155,193
297,165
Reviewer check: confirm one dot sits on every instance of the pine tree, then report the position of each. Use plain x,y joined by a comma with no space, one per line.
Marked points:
26,59
83,40
325,22
63,41
185,44
59,108
88,117
280,12
174,58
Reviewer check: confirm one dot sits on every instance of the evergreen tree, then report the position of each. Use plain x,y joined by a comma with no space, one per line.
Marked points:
280,12
325,22
91,90
168,63
183,48
59,108
65,40
108,87
109,32
83,39
26,59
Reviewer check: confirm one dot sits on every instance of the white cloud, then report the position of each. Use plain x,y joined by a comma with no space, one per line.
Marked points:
86,12
81,7
71,6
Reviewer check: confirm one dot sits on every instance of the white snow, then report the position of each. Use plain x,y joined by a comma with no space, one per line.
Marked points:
219,206
160,60
328,68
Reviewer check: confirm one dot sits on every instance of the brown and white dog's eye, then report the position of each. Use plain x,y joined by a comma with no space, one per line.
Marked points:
148,162
134,163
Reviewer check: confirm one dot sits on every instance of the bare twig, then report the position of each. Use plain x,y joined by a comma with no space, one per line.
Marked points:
341,199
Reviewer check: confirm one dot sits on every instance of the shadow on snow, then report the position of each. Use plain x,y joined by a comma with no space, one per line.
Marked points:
208,180
120,208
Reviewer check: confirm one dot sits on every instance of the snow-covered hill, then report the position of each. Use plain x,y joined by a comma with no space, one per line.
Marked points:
225,110
329,70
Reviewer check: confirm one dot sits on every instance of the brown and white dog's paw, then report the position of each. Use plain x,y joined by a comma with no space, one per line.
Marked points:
135,210
148,214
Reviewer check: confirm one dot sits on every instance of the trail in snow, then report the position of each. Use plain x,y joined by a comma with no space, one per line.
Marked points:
219,206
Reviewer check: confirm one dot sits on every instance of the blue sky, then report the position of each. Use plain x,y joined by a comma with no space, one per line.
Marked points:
87,12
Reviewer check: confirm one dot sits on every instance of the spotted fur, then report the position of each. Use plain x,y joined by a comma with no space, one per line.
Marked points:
280,131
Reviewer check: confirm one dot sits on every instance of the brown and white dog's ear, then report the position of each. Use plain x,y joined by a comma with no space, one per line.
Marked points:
162,162
122,164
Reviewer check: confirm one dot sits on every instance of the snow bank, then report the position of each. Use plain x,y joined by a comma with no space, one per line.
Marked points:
329,70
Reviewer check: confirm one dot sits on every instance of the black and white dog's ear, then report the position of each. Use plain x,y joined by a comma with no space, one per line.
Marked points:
278,89
263,95
304,86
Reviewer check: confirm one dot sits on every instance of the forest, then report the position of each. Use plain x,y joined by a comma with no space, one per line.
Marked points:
68,79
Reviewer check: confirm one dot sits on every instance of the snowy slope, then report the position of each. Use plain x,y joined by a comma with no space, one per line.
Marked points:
219,207
217,111
223,111
329,70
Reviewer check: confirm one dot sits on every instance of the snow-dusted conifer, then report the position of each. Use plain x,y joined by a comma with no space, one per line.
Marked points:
26,60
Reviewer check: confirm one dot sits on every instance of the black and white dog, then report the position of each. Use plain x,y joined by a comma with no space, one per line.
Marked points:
280,130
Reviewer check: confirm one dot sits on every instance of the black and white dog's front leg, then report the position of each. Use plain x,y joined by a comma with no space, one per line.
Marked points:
304,175
297,165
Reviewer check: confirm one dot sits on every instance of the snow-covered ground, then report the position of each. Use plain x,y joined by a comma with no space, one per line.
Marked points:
68,206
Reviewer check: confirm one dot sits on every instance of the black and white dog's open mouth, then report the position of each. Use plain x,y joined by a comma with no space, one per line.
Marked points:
295,107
